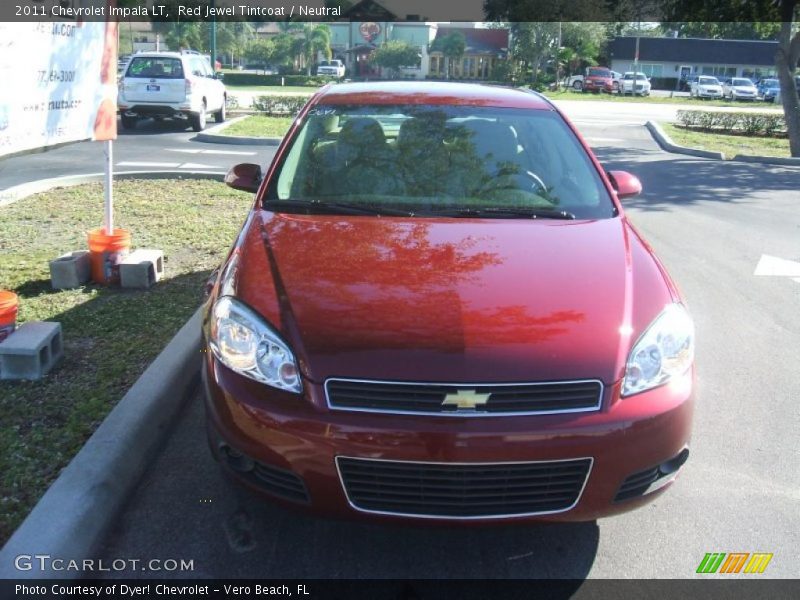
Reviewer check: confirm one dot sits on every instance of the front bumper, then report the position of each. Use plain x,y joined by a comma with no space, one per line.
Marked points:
294,443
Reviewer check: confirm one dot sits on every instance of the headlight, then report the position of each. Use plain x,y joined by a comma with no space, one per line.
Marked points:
665,350
244,343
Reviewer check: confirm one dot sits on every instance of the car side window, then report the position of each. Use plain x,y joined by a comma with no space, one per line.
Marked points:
197,68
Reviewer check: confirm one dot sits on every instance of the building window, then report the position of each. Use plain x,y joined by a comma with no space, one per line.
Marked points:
651,70
718,71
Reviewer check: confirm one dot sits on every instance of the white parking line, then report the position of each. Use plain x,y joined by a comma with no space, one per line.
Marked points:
199,151
198,166
773,266
166,165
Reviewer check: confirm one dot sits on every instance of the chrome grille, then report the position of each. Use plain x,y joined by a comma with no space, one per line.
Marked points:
492,399
462,490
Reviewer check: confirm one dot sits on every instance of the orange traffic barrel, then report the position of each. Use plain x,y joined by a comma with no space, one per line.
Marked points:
8,313
106,252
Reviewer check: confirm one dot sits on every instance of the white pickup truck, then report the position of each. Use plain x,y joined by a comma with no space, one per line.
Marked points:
331,68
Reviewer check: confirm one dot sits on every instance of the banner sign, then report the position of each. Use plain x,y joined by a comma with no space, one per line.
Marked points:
58,83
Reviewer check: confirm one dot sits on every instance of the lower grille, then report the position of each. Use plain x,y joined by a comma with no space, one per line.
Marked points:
637,484
276,481
281,483
464,399
652,479
462,490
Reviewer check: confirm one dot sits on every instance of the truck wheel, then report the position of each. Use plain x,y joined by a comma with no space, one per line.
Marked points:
577,85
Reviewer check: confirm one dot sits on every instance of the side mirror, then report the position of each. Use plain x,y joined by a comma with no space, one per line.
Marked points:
219,75
625,184
245,177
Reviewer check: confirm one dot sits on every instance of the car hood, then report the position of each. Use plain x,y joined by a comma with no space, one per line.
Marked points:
452,299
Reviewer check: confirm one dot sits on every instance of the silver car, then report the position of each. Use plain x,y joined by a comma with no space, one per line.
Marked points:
740,88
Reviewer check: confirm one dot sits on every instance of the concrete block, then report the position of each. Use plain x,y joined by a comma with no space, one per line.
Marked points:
70,270
141,268
31,351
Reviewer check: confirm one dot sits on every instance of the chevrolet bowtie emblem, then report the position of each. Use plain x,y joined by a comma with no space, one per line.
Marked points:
465,399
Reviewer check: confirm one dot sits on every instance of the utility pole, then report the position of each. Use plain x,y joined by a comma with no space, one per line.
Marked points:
558,58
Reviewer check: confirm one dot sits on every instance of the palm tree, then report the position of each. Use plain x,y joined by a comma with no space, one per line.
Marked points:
316,38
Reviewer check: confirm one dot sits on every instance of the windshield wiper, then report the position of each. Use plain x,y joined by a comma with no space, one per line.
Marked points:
505,213
341,208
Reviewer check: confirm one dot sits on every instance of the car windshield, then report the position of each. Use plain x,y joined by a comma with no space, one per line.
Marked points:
155,68
599,73
708,81
770,82
743,82
324,63
438,160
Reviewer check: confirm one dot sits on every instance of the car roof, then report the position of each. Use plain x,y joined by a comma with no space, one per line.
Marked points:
419,92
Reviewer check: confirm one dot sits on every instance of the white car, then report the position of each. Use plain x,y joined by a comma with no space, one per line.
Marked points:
706,86
332,68
740,88
170,84
635,84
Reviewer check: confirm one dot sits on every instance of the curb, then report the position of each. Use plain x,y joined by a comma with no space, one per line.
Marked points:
70,520
769,160
667,144
23,190
210,136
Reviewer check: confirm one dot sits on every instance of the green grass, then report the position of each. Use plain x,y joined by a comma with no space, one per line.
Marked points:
680,100
259,126
730,144
110,335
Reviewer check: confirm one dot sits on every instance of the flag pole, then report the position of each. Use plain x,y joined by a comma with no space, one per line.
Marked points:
109,192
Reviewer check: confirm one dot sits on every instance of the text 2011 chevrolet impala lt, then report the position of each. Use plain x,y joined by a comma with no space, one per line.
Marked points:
437,309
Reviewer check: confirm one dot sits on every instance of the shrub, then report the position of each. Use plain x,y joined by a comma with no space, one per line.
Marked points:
279,104
749,123
235,79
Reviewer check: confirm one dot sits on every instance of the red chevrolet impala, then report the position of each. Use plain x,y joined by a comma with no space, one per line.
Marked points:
437,309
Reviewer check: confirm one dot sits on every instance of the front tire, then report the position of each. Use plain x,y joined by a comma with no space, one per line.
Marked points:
198,120
577,85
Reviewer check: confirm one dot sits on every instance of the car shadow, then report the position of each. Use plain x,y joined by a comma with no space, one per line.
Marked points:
186,507
152,126
670,179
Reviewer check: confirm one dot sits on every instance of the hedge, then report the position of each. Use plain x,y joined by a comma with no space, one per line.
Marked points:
279,104
751,123
259,79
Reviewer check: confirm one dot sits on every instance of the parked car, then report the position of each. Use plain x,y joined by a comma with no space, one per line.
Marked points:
768,89
171,84
598,79
576,81
437,309
706,86
332,68
739,88
636,84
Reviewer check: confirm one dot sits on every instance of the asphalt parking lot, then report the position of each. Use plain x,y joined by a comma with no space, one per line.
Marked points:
711,223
